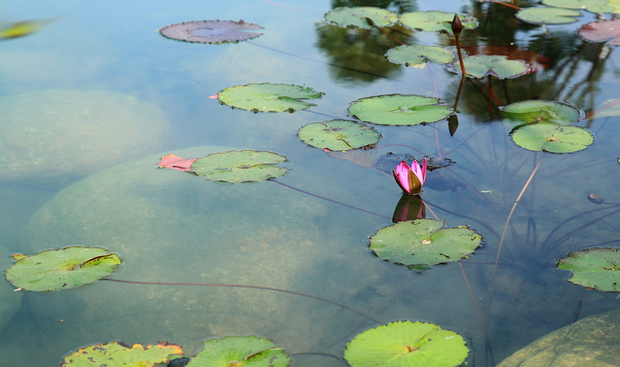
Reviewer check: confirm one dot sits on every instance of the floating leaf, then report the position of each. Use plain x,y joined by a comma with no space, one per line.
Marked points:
594,6
526,112
602,30
552,137
535,61
175,162
399,109
355,17
406,344
499,66
240,166
435,21
66,268
419,54
547,15
339,135
596,267
211,31
116,354
423,243
246,351
268,97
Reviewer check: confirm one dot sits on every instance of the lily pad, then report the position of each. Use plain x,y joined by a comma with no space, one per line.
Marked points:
399,109
596,267
594,6
247,351
602,30
535,61
552,137
239,166
423,243
435,21
118,354
211,31
499,66
419,54
66,268
548,15
339,135
268,97
526,112
406,343
355,17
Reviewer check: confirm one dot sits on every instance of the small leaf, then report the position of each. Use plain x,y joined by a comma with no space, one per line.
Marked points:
596,267
175,162
602,30
547,15
116,354
499,66
268,97
339,135
399,109
246,351
239,166
552,137
211,31
435,21
355,17
419,54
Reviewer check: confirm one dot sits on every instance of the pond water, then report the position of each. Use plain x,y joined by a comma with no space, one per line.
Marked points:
66,182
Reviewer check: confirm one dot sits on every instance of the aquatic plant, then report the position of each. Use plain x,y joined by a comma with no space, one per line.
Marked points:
410,179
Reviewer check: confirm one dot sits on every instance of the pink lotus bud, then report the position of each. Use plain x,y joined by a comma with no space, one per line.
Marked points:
410,179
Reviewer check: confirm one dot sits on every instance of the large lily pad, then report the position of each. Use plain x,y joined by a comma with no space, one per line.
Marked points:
552,137
239,166
406,344
499,66
211,31
117,354
339,135
602,30
268,97
435,21
247,351
423,243
419,54
399,109
527,112
66,268
548,15
596,267
355,17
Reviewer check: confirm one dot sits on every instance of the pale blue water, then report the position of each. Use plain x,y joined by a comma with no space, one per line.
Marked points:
171,227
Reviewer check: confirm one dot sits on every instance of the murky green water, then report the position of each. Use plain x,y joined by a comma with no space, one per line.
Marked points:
170,226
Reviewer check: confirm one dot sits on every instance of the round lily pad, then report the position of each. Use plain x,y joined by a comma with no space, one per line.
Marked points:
66,268
596,267
594,6
339,135
406,343
355,17
423,243
552,137
399,109
268,97
118,354
499,66
526,112
548,15
602,30
211,31
435,21
247,351
419,54
239,166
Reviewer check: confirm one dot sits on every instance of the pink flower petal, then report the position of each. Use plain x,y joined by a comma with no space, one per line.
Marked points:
175,162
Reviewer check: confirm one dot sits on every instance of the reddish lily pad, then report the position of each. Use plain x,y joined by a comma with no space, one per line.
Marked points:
118,354
175,162
602,30
211,31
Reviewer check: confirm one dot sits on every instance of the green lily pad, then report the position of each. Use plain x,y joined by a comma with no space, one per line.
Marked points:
552,137
339,135
116,354
499,66
399,109
406,344
419,54
602,30
423,243
548,15
596,267
246,351
268,97
239,166
526,112
594,6
355,17
435,21
66,268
